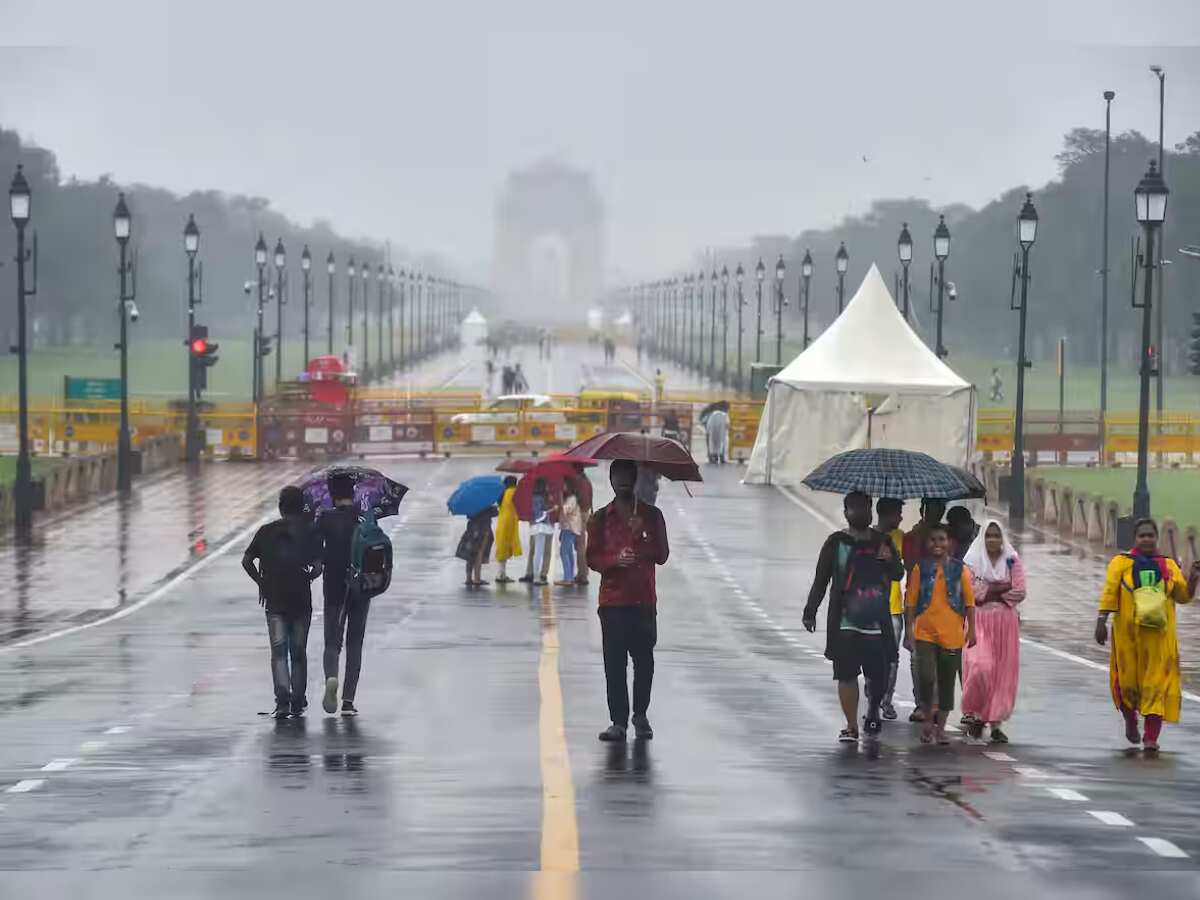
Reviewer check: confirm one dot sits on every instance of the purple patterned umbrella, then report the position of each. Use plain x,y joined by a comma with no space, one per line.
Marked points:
372,490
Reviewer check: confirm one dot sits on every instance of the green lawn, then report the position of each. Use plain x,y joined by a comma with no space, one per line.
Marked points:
1174,493
41,465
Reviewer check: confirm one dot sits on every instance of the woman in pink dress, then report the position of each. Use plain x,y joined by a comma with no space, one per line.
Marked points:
990,669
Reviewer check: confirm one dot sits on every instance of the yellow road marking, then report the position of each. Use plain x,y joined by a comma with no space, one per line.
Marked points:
560,832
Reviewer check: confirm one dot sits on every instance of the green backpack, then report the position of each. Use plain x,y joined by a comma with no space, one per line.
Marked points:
370,557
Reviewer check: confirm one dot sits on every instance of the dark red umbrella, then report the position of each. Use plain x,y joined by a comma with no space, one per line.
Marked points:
662,455
554,471
517,466
523,464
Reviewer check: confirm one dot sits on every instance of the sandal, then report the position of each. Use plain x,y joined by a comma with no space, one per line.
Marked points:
847,736
943,739
927,732
504,579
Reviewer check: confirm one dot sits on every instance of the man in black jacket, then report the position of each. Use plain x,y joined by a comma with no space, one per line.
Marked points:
283,558
857,565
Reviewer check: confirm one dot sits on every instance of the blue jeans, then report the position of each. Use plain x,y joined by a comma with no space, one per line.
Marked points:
567,551
289,656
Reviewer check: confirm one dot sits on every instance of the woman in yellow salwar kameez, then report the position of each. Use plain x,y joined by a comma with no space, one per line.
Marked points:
508,532
1144,664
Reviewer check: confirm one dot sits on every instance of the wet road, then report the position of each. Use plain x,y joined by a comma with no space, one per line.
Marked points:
135,758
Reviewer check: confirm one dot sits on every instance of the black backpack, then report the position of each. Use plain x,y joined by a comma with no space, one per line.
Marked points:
285,559
866,589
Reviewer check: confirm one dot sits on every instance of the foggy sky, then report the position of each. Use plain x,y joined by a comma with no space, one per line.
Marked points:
703,124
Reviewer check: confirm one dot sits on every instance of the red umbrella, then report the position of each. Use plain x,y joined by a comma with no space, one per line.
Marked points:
522,465
554,471
662,455
517,466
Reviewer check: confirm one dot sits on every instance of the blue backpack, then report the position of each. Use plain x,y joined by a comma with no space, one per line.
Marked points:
370,557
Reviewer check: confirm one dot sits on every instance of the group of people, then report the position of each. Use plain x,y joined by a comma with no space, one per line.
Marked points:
949,593
284,557
512,379
565,511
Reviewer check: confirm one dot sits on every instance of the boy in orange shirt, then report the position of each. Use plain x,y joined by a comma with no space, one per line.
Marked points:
939,598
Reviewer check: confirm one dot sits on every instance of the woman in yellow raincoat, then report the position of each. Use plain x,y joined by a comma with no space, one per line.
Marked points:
1144,664
508,534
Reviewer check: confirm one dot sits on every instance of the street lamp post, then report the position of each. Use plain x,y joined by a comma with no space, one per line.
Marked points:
779,304
1162,271
391,278
306,269
740,275
684,344
122,227
365,269
412,317
724,326
331,270
280,262
19,209
712,328
1150,206
697,336
806,270
941,250
260,262
420,298
382,278
1108,99
191,245
904,251
1027,221
760,272
351,273
401,281
842,263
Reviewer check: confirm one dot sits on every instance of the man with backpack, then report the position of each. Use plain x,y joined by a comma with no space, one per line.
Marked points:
857,565
358,565
283,558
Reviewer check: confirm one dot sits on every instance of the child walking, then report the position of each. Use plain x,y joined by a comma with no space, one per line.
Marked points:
939,601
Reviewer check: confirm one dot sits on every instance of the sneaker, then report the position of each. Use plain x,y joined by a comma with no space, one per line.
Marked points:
872,725
329,701
504,579
526,579
917,716
613,732
998,736
564,583
297,712
282,711
348,708
541,582
641,728
889,712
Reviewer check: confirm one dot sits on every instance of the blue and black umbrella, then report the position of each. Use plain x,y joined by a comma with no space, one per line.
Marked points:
475,495
903,474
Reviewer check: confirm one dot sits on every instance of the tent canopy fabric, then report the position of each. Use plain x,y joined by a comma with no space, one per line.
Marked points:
871,349
867,381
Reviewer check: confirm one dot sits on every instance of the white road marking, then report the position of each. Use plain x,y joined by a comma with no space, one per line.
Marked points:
1068,794
998,756
1029,772
117,729
92,746
1110,818
58,765
24,787
1163,847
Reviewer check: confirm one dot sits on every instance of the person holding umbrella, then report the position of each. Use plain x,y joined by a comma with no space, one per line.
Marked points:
626,540
508,530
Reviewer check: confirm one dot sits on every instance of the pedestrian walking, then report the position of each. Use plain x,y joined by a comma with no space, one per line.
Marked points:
626,540
475,545
857,566
541,533
962,528
916,540
997,386
716,436
1141,590
283,558
888,513
581,540
570,526
939,600
519,384
345,608
508,530
660,385
506,380
992,667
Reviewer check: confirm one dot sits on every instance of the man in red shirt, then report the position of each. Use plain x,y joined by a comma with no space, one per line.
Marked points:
626,540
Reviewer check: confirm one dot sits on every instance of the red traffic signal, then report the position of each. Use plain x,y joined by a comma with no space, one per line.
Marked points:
199,346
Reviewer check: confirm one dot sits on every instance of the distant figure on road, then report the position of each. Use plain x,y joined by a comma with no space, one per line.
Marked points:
997,386
660,385
519,384
506,380
938,600
283,558
1142,588
640,343
992,667
857,565
716,436
345,611
491,376
508,530
610,351
626,540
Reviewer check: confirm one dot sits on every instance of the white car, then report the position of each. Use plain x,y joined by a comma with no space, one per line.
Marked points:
504,410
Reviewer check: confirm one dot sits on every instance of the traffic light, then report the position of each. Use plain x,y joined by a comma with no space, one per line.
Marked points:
203,354
1194,345
264,346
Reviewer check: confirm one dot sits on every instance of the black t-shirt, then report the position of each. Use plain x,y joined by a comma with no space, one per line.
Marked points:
336,529
285,550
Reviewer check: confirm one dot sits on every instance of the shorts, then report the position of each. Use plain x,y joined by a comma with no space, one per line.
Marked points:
937,672
860,653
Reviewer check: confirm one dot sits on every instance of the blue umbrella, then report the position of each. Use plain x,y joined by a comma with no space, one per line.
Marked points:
903,474
475,495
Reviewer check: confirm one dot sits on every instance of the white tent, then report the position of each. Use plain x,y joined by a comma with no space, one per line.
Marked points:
867,381
474,328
